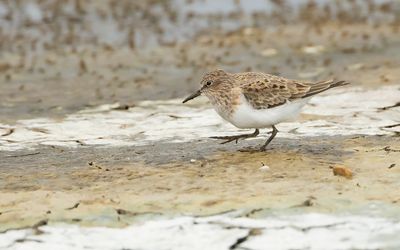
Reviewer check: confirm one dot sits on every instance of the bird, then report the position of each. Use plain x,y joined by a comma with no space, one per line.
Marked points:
257,100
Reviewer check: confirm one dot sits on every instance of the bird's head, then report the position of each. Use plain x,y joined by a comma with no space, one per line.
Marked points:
212,82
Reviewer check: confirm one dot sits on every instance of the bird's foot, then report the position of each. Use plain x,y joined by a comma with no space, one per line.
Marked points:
263,148
249,150
273,134
229,138
235,137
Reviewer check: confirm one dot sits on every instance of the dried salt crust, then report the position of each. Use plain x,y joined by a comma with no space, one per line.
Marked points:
309,231
345,111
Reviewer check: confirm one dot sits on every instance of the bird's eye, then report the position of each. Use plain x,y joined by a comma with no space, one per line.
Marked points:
208,83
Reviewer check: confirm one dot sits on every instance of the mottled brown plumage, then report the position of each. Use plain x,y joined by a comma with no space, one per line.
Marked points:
257,100
264,91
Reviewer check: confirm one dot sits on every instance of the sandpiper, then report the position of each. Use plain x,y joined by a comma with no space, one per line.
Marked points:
257,100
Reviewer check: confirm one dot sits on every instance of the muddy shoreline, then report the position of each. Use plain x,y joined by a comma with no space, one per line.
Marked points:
94,139
203,181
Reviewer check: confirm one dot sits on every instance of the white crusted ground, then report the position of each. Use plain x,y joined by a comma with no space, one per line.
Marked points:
343,111
310,231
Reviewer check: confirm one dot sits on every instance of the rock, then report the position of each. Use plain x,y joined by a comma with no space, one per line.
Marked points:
342,171
355,66
264,168
314,50
269,52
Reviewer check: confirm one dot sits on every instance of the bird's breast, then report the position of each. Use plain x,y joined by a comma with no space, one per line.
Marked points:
225,103
245,116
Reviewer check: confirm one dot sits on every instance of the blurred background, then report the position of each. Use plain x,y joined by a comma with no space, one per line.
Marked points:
60,56
78,146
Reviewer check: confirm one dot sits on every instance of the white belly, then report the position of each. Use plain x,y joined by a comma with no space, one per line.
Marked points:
245,116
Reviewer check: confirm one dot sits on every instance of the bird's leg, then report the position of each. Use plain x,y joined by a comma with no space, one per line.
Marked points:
236,137
274,132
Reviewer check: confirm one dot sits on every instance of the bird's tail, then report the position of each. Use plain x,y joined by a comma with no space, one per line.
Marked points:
319,87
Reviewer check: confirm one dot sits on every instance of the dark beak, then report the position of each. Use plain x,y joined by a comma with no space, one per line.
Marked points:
192,96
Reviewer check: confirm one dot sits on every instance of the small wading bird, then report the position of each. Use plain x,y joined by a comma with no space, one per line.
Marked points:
257,100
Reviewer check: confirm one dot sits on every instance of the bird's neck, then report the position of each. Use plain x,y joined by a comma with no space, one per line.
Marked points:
225,100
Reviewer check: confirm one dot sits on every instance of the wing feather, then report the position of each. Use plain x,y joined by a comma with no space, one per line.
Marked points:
264,91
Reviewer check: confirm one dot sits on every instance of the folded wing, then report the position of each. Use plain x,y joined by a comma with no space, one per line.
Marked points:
264,91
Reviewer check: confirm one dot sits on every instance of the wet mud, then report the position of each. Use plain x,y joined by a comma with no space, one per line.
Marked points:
92,131
110,186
